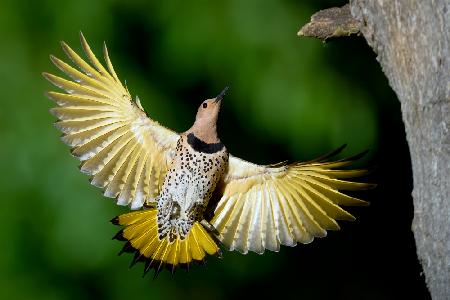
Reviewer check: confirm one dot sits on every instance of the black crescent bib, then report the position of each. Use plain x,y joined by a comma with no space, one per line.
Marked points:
200,146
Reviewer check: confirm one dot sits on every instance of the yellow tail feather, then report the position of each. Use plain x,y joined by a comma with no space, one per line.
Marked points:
141,234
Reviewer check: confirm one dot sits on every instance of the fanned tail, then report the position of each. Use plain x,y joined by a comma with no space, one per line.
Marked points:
141,236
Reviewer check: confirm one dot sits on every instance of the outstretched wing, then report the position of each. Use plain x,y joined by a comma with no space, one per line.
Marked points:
263,207
126,153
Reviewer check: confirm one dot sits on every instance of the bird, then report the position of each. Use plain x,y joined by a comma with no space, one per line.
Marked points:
189,198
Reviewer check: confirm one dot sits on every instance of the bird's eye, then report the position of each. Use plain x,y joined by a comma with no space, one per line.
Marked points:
205,105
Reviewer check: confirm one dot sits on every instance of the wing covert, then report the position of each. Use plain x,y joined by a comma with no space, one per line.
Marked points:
263,207
126,153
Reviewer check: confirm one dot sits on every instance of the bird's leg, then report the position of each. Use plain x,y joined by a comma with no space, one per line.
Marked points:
209,227
148,205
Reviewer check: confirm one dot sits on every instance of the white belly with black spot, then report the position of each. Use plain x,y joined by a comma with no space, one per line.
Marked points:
187,188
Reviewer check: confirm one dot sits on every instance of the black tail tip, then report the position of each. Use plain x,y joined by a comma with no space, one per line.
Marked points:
127,248
138,257
115,221
119,236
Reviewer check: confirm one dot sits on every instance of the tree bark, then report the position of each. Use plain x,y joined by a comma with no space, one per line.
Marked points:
411,39
331,23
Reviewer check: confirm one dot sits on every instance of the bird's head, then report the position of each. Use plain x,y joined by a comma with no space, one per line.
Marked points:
206,119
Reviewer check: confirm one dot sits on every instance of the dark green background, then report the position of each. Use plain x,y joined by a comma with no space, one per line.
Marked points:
290,98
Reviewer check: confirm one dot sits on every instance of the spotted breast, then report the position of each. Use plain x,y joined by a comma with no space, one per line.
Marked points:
189,184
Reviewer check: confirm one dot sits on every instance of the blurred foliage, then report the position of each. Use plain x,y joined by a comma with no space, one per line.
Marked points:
290,98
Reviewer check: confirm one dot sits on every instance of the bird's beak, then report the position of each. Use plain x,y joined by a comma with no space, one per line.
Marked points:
221,95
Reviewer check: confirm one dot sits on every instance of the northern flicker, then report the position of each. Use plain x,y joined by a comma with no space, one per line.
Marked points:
188,195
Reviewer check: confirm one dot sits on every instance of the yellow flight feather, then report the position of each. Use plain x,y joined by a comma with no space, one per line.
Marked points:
126,153
263,207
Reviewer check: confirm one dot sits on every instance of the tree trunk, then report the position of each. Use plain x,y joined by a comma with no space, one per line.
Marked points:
411,39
